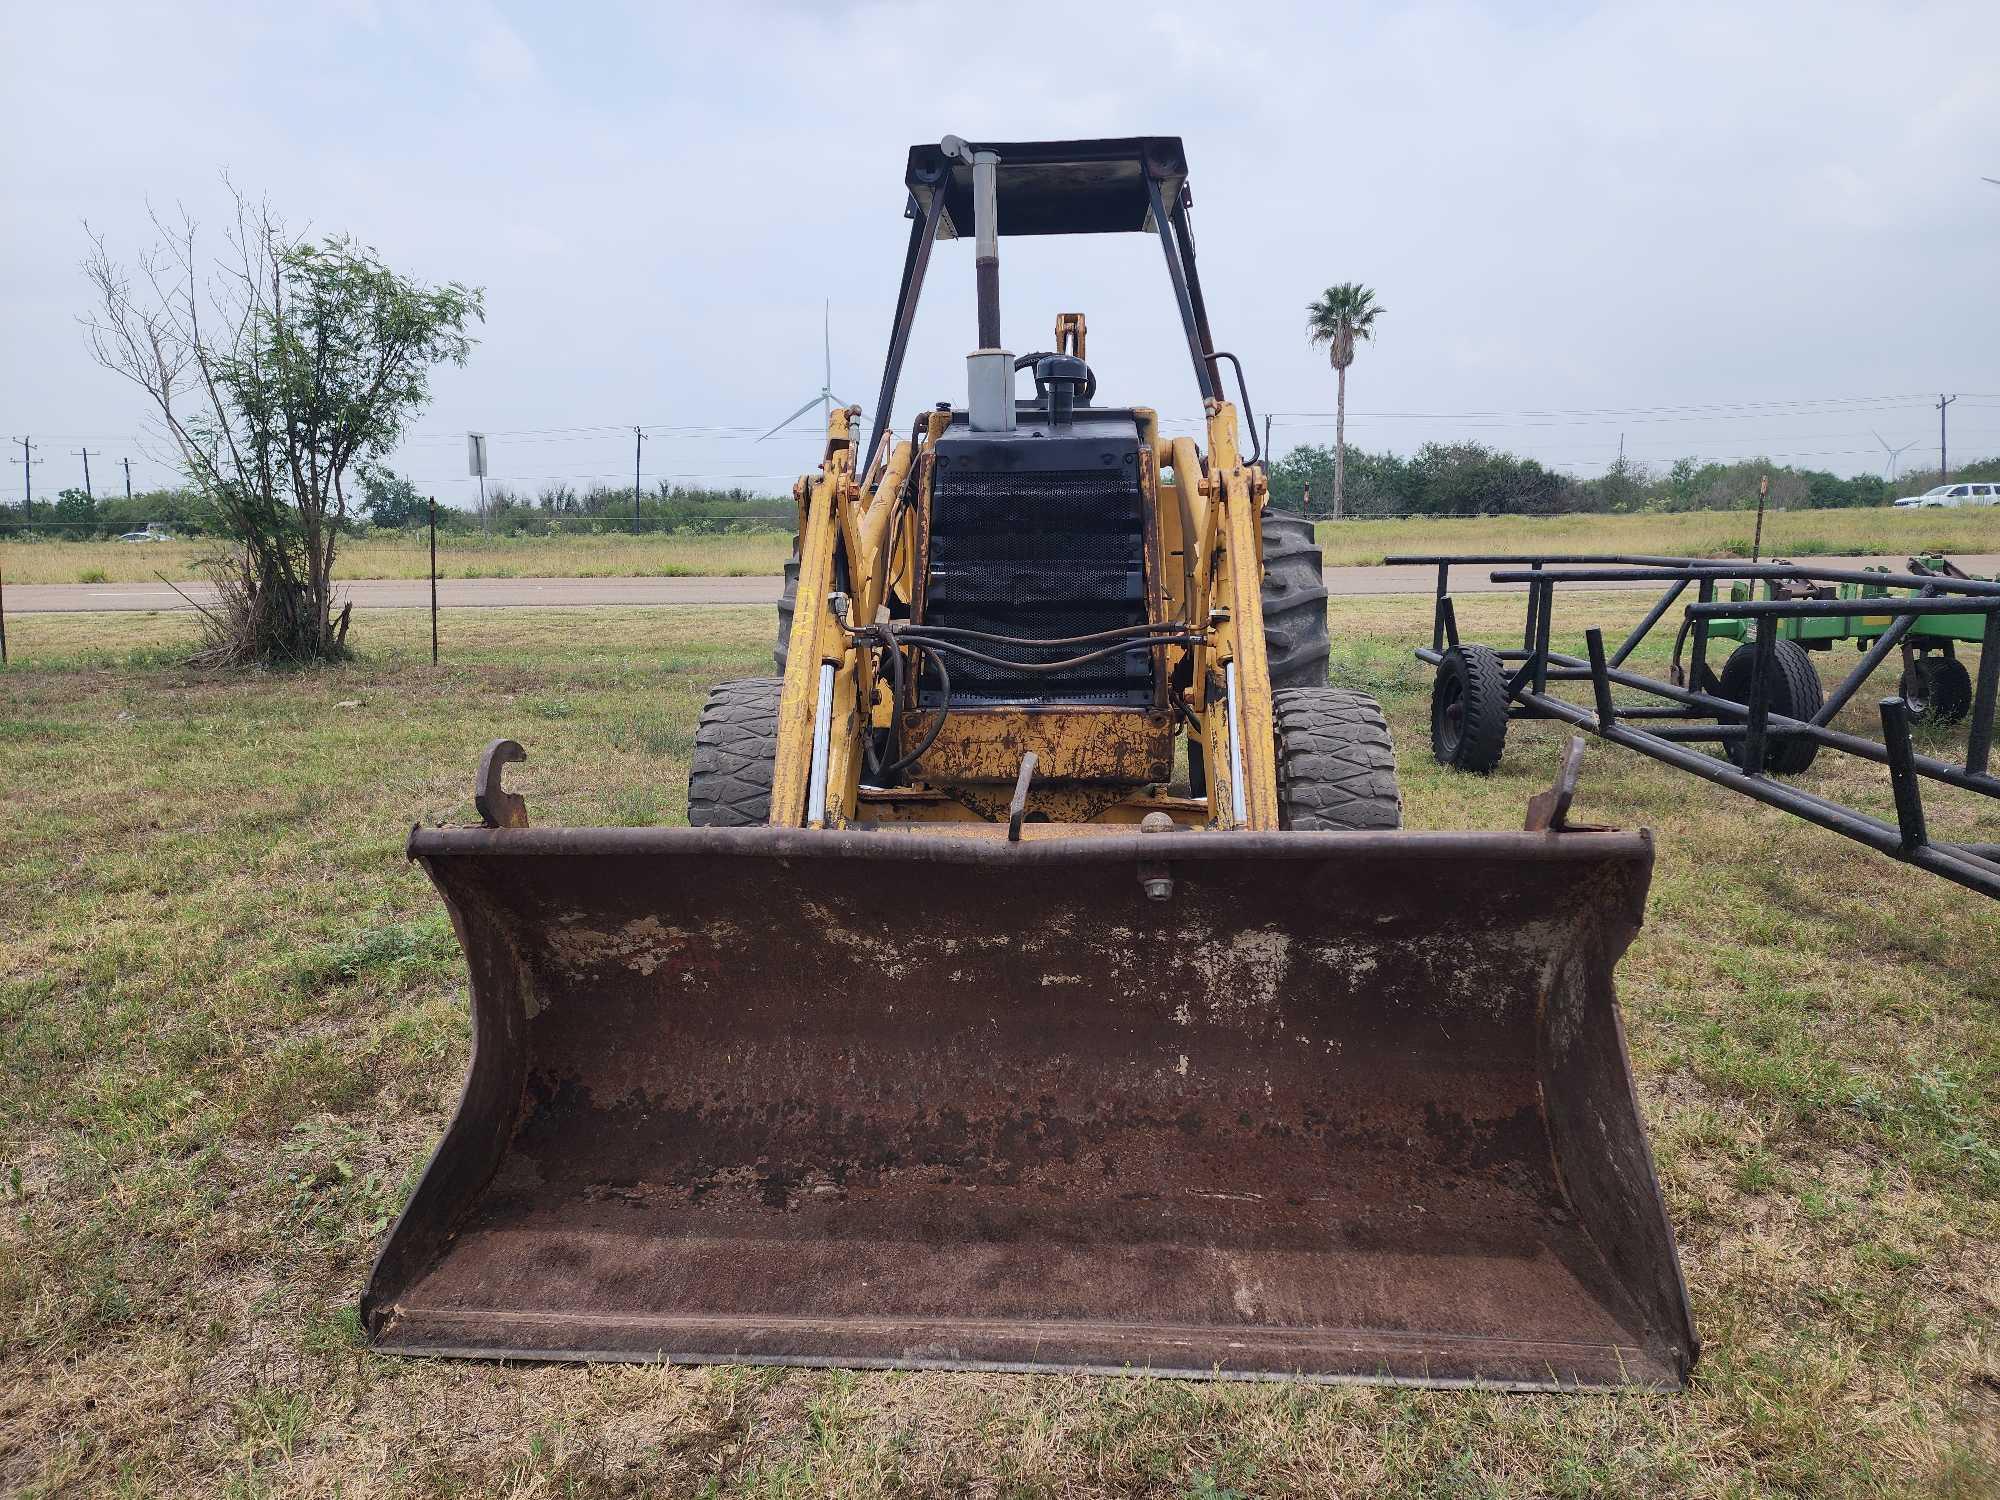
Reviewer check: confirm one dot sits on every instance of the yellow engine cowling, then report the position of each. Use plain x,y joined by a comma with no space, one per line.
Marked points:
1094,763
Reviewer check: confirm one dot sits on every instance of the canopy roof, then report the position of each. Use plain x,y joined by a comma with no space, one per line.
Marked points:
1055,187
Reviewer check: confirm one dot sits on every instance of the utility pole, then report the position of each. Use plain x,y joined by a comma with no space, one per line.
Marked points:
475,465
1267,442
638,445
128,476
1944,469
27,461
86,455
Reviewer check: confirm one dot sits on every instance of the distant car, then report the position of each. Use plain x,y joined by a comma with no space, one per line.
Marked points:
1951,496
145,536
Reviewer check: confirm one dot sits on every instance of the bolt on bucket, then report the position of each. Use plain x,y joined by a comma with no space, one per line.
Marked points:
1318,1106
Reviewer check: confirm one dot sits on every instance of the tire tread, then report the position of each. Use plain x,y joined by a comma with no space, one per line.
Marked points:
1336,762
1482,737
1294,595
735,751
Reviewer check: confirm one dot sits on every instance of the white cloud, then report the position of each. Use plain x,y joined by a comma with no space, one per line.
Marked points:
1671,201
499,58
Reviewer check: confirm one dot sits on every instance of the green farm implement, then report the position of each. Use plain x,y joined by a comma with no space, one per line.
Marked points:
1935,683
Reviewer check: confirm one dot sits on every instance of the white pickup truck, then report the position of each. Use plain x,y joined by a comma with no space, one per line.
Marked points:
1951,496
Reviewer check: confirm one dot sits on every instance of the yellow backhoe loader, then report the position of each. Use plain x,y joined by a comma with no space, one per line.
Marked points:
1045,983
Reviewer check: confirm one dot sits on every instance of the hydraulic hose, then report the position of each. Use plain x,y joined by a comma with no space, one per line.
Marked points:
897,767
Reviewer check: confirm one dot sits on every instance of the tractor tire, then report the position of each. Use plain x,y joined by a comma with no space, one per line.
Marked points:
1295,640
787,602
1795,693
1938,690
735,752
1336,765
1469,709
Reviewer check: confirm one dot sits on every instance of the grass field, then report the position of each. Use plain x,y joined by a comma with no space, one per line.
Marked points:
232,1024
1795,534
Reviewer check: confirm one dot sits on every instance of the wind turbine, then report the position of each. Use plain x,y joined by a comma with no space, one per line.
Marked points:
825,399
1895,456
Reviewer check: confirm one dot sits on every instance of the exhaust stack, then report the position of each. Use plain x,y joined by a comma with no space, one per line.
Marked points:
989,369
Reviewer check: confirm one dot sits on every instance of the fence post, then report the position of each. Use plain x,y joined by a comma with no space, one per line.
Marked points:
434,580
3,621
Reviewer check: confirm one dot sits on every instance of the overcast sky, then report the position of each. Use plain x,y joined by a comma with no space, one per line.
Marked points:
1582,221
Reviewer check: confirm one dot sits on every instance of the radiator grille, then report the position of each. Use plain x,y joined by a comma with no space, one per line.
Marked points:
1058,552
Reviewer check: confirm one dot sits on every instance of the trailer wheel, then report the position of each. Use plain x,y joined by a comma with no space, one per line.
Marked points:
735,753
787,602
1295,639
1469,709
1795,693
1937,689
1336,763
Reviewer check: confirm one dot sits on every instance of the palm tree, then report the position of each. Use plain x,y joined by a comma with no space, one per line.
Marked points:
1343,314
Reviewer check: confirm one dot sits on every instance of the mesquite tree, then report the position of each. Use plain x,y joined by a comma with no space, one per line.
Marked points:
275,370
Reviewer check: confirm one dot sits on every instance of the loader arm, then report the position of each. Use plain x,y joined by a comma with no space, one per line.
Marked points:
1244,787
818,722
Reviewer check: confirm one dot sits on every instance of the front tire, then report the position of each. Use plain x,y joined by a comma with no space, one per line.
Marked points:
735,754
1336,763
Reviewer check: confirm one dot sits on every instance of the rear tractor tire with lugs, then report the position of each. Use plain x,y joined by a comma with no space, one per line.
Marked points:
1295,639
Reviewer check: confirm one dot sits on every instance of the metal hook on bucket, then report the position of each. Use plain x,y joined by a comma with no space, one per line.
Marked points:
499,808
1548,812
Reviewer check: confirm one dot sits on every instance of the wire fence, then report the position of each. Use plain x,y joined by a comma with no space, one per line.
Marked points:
454,526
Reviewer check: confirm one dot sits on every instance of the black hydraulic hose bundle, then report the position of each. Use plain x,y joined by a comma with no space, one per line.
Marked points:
903,763
1143,643
935,642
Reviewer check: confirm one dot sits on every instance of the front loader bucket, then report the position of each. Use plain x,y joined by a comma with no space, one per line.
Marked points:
1320,1105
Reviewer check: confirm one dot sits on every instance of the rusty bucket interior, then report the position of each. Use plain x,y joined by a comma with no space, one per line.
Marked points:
1340,1106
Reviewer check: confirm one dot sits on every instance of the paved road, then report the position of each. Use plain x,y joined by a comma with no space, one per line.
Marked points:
543,593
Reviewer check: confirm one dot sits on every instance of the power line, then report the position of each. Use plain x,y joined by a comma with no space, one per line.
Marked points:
1801,405
1531,416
